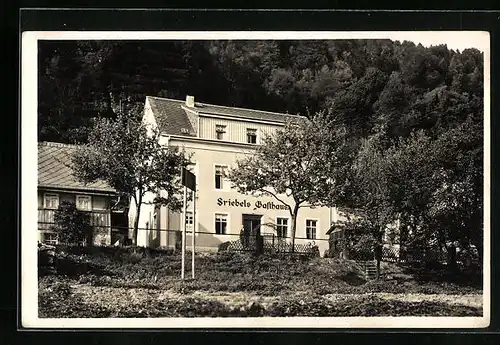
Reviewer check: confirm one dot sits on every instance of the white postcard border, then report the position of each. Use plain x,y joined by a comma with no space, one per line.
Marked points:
28,245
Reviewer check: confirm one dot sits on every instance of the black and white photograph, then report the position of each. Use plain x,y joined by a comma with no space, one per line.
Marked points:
257,179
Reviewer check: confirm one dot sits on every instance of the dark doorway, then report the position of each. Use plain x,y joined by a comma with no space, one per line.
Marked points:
250,235
251,224
119,228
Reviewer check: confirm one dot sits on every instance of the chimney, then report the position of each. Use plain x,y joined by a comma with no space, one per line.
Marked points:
190,101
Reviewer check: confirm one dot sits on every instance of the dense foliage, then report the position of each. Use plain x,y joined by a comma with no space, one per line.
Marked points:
72,225
368,83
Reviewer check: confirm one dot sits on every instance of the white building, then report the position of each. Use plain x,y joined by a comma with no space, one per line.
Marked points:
218,136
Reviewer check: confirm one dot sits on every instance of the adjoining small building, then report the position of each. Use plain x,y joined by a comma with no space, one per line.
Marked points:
217,137
338,237
56,184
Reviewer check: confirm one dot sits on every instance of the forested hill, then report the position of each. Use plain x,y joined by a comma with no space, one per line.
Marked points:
367,84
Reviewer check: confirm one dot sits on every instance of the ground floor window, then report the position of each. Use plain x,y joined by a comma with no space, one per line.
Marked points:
49,238
281,227
311,225
220,224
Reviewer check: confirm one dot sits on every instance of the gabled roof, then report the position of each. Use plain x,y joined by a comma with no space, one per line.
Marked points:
171,117
54,170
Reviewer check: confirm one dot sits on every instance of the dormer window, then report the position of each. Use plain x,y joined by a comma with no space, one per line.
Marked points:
251,136
219,131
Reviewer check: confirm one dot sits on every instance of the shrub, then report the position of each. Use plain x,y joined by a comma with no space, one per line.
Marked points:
71,224
223,246
363,248
46,259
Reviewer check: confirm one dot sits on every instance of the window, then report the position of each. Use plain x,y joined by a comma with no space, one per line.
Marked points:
189,219
251,136
281,227
220,224
219,131
99,219
84,202
311,229
49,238
219,176
51,201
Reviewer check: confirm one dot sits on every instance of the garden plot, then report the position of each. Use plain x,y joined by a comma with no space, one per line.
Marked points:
136,283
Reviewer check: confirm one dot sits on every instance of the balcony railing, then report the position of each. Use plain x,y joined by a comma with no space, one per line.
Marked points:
97,218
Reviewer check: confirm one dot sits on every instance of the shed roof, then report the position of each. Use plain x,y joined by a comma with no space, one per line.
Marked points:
54,169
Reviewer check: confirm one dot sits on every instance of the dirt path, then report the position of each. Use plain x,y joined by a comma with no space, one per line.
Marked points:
121,297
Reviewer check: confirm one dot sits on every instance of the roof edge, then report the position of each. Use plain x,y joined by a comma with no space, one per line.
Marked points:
77,189
56,144
200,109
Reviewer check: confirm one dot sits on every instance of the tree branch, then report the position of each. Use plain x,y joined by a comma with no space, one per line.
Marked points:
275,196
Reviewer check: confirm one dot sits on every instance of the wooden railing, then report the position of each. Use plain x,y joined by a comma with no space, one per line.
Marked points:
97,218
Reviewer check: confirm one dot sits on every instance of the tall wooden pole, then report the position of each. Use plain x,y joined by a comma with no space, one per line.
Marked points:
193,234
183,222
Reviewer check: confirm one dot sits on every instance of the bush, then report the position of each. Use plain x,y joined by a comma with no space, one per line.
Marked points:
46,258
363,248
223,246
71,224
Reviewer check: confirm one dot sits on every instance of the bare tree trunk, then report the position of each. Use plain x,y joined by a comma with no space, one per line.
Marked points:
136,220
294,224
452,257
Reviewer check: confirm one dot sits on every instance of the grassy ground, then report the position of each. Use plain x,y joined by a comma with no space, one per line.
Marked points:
132,282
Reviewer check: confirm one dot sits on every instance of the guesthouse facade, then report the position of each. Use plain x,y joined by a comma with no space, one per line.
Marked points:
217,137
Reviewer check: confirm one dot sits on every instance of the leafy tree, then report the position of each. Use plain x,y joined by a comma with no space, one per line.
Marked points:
298,162
371,194
128,156
72,225
354,105
411,166
392,107
456,209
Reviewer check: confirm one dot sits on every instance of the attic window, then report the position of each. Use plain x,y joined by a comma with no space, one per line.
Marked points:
251,136
184,131
219,131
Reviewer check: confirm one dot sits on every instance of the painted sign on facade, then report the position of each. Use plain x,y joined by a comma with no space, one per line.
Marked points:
245,203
